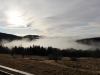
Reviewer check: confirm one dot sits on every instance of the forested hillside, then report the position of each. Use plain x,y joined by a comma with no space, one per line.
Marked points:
11,37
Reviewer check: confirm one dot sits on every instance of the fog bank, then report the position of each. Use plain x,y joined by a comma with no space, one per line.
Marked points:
61,43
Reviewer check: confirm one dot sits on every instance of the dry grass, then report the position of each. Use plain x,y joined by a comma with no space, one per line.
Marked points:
41,66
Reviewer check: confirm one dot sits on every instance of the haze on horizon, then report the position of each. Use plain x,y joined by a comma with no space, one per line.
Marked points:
62,18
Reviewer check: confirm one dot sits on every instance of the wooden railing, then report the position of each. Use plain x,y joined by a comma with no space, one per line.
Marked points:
10,71
5,73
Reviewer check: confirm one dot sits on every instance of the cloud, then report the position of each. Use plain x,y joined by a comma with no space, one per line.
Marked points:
54,17
61,43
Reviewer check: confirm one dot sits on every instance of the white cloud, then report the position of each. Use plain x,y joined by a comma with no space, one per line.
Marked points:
54,17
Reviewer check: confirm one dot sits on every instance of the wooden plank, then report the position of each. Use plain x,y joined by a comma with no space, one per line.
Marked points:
5,73
15,70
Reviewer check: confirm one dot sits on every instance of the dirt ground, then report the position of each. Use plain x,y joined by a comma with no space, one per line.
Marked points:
39,65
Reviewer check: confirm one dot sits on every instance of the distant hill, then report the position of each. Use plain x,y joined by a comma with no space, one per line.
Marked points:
11,37
90,41
31,37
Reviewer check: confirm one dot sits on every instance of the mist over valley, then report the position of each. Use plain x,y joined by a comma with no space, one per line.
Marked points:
11,41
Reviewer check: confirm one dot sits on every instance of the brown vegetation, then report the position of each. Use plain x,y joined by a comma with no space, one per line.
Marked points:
42,66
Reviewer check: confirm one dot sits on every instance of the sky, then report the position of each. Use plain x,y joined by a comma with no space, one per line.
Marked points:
55,18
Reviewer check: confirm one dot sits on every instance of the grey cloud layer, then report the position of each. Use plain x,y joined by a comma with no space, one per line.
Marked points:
57,17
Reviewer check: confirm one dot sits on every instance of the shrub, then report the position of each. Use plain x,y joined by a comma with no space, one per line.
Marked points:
54,57
73,59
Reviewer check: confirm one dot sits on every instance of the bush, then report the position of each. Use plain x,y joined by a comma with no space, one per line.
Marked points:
73,59
54,57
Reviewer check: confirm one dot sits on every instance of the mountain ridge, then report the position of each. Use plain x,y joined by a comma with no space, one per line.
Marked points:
11,37
90,41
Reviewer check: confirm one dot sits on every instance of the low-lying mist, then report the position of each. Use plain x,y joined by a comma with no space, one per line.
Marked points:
61,43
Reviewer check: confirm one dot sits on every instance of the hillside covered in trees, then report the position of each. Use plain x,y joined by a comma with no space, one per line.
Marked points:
11,37
90,41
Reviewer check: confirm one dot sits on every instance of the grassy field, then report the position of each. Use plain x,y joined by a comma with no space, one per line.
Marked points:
42,66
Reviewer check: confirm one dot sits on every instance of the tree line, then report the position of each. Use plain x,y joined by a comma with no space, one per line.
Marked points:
55,52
